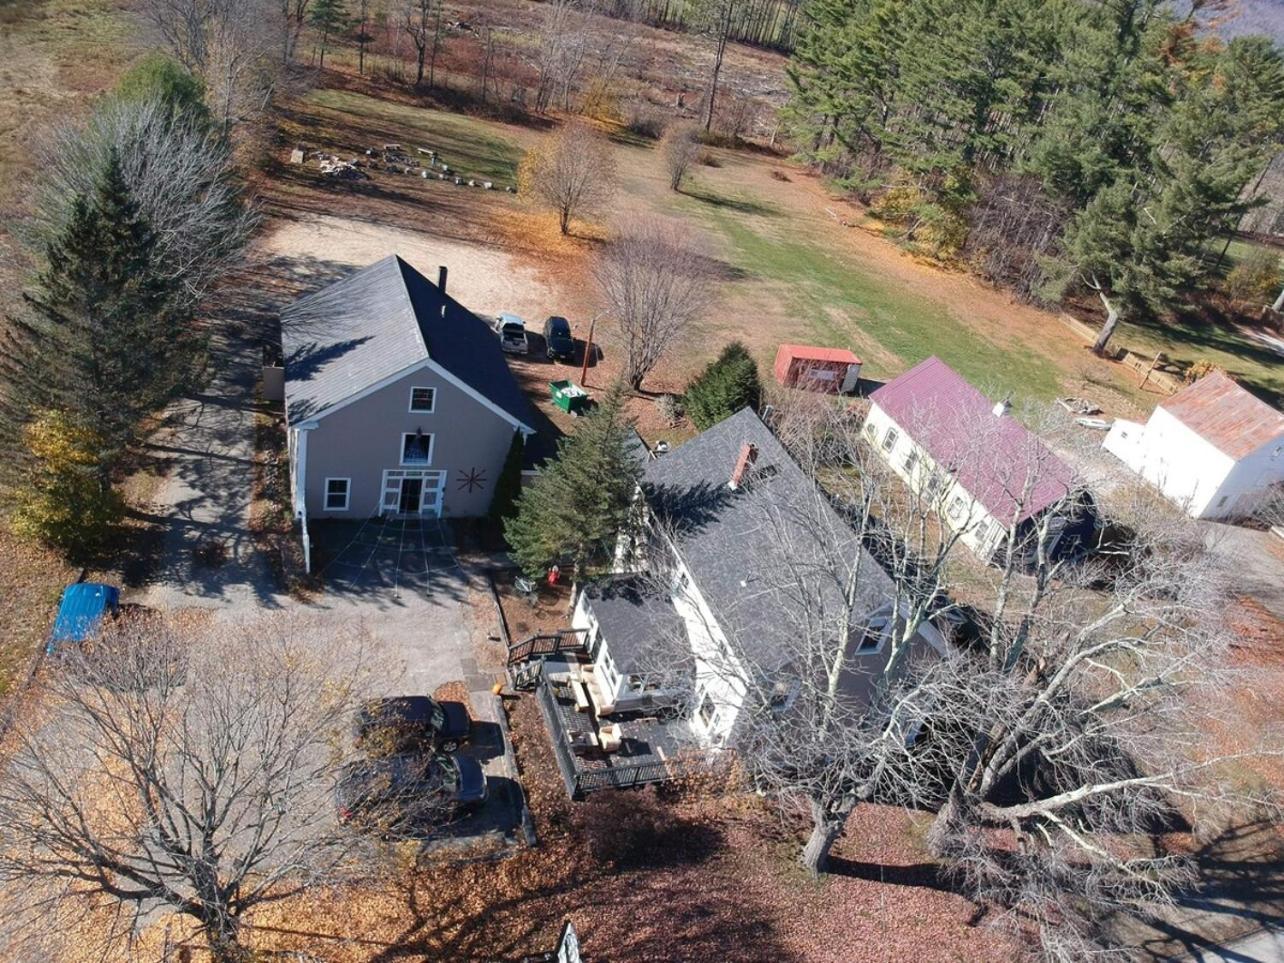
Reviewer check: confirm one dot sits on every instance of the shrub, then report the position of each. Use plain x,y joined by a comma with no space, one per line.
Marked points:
728,384
670,407
63,500
1256,278
679,147
158,77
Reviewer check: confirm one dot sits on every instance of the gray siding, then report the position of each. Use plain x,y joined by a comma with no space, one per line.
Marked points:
363,439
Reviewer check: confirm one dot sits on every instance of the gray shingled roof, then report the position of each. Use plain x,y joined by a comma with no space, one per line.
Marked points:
731,540
632,615
376,322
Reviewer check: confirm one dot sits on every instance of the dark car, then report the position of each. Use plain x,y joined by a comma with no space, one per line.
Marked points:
409,792
385,727
557,339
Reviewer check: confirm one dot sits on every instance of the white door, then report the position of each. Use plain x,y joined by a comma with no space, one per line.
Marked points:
413,491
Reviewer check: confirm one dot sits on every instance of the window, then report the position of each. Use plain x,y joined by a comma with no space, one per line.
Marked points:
956,508
889,439
708,712
911,461
416,449
422,400
982,532
869,429
1221,502
872,640
681,583
336,494
935,483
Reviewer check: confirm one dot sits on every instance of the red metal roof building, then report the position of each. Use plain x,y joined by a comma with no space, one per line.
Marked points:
1225,415
811,368
993,456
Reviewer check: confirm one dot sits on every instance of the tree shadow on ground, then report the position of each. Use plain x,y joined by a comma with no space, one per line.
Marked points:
741,205
1239,891
919,875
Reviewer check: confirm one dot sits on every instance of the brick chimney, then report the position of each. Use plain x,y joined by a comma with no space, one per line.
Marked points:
744,463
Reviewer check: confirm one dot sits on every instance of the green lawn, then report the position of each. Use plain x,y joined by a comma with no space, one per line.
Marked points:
470,146
838,303
1249,360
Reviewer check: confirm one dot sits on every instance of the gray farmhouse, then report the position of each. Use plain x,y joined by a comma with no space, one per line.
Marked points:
397,397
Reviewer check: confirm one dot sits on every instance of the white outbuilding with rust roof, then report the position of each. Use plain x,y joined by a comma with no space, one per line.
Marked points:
1213,448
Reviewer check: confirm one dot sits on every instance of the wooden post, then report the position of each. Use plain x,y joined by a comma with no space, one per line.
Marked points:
1153,363
588,350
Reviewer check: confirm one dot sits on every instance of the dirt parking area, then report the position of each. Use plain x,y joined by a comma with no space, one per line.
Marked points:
483,279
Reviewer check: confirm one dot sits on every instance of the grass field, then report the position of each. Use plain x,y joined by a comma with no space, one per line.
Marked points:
839,302
470,146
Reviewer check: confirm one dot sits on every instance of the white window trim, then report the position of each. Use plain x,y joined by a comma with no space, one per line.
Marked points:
432,445
890,438
431,409
347,494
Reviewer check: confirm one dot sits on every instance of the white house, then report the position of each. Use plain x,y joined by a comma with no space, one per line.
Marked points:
1212,448
712,498
948,441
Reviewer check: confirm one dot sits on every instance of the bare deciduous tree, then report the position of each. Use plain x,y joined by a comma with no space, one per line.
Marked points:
421,21
180,174
190,772
680,147
572,172
657,285
224,44
719,20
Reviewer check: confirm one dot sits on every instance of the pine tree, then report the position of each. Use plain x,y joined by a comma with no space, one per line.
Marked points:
729,383
100,340
582,501
330,17
509,485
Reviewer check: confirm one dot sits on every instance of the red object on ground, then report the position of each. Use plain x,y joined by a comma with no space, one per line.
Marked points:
554,575
832,370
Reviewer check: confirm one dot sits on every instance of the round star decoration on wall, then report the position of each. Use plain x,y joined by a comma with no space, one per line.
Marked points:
472,480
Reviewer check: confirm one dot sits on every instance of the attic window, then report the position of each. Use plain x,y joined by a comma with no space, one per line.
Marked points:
416,449
956,508
422,400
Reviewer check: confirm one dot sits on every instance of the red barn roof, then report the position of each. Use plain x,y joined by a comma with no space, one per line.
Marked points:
1225,415
992,456
809,353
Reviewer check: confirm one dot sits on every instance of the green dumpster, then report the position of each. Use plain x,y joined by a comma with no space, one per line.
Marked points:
570,397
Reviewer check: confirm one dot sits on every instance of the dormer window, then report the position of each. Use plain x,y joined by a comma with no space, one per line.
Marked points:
873,638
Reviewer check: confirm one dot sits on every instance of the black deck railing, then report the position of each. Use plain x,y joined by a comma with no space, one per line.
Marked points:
551,643
579,781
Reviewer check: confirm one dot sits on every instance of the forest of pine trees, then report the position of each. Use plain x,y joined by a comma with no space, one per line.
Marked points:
1095,147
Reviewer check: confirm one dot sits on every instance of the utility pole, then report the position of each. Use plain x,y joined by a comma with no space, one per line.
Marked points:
588,350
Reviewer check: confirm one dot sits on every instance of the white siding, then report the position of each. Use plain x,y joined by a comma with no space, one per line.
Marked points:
982,532
1179,462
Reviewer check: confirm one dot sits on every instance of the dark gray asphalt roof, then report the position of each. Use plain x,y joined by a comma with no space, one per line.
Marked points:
376,322
734,542
632,615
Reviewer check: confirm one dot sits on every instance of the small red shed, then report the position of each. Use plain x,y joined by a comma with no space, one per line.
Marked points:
834,370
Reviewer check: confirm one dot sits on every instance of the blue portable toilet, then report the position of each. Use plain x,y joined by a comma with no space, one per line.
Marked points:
81,613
